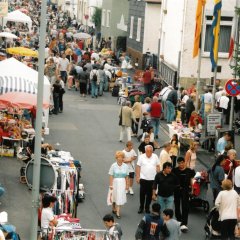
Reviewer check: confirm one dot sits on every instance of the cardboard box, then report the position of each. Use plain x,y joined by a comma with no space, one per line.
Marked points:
7,152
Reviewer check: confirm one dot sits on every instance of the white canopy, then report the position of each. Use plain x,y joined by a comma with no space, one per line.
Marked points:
20,77
18,16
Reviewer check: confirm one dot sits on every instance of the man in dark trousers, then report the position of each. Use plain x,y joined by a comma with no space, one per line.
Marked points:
151,225
166,182
181,194
171,103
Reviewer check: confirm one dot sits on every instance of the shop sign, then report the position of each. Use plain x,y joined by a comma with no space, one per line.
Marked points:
3,8
214,120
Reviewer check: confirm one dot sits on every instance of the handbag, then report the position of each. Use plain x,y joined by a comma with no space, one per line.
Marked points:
110,197
120,118
62,90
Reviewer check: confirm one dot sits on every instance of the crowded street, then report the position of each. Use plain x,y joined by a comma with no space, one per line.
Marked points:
89,130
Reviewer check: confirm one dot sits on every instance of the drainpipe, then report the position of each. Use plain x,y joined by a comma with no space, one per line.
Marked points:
180,53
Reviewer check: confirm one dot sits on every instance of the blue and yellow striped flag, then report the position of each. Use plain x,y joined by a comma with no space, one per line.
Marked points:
215,30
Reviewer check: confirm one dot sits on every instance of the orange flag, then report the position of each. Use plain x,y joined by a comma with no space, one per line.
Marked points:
198,28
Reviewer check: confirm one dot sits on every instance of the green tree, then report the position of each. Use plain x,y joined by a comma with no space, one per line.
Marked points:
97,17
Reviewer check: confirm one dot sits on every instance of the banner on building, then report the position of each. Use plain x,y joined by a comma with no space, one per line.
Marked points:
3,8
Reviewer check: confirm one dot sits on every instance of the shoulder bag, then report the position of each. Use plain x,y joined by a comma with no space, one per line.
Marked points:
120,118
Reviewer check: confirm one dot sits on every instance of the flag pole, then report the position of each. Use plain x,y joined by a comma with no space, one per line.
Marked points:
236,44
216,65
200,59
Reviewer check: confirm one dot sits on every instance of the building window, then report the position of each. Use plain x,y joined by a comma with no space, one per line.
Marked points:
103,17
131,27
139,29
224,36
108,18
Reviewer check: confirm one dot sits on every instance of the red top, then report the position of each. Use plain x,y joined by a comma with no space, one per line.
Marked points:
147,77
192,118
156,109
228,169
80,44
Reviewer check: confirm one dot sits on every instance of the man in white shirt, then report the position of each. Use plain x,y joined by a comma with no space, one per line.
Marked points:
47,217
224,106
183,105
63,67
146,169
130,157
163,97
208,101
223,102
218,94
164,154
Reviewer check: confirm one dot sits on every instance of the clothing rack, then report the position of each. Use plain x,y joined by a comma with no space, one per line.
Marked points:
82,234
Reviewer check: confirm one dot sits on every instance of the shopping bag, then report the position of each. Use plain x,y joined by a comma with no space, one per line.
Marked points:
110,197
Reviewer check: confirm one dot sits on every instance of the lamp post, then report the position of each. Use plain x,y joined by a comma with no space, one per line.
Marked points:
37,153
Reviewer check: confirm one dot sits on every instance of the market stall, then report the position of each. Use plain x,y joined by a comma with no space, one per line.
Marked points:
13,123
185,134
60,177
18,17
23,79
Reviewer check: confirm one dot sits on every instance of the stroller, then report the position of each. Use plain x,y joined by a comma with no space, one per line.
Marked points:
199,193
237,126
213,225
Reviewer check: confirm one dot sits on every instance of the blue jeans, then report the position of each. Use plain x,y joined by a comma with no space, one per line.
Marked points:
94,89
2,191
155,122
165,202
106,84
170,111
64,76
101,88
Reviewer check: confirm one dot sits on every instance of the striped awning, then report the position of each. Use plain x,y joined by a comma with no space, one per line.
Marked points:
16,84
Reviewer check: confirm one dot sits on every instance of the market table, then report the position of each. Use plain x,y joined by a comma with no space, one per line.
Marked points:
184,141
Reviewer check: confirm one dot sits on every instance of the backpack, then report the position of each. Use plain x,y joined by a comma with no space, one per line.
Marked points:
94,78
146,123
115,91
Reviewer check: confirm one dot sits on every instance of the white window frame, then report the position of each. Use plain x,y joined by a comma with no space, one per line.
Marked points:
222,23
108,17
131,27
103,17
139,28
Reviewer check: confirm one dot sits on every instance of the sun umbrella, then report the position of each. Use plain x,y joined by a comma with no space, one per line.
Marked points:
82,36
8,35
20,100
22,51
24,10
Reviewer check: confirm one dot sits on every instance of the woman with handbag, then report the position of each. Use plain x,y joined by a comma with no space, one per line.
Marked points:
191,155
118,182
217,175
56,88
62,91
